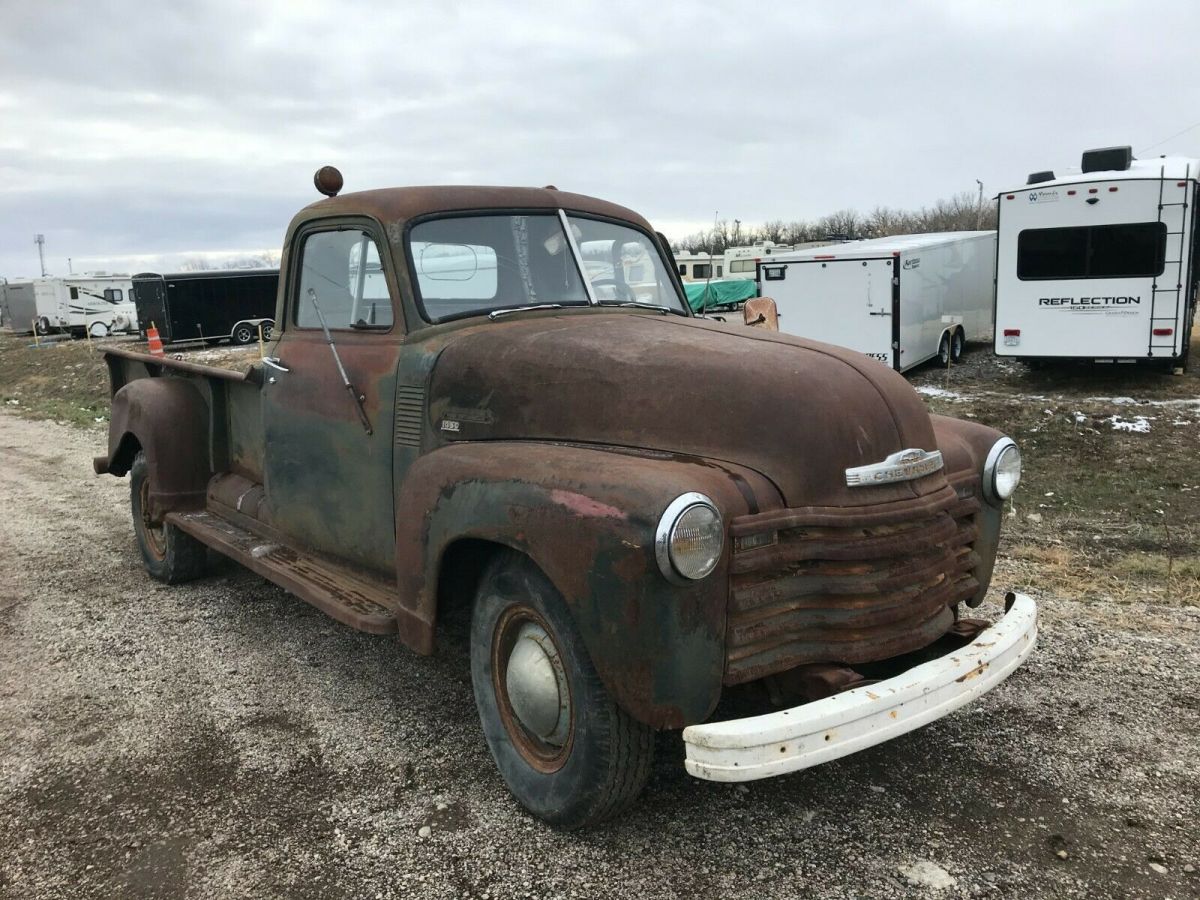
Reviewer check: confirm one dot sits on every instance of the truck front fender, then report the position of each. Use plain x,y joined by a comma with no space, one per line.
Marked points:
587,518
168,419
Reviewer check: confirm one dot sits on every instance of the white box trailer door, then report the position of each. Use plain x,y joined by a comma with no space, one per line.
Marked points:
839,301
1082,269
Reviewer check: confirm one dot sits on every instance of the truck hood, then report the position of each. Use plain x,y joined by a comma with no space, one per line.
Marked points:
797,411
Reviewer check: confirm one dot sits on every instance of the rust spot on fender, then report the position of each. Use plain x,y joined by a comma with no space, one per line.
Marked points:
586,506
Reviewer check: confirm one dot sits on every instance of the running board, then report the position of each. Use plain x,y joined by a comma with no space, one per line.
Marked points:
351,597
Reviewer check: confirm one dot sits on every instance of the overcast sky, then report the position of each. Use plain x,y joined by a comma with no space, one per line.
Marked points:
131,130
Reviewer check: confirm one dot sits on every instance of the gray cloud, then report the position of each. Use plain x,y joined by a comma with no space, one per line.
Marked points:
128,129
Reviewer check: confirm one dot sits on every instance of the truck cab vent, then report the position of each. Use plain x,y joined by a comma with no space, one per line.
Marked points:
1107,159
410,413
1039,177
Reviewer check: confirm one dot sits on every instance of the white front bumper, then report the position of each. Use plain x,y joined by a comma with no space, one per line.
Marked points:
807,735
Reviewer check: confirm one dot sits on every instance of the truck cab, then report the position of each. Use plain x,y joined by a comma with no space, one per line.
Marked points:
498,398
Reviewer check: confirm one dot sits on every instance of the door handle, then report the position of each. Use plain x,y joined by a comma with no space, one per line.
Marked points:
275,363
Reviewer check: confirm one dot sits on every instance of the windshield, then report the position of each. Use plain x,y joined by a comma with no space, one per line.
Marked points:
469,265
623,264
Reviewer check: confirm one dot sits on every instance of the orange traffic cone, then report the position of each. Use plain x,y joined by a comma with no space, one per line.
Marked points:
155,342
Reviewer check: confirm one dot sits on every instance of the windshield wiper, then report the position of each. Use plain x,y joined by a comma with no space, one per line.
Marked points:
497,313
637,304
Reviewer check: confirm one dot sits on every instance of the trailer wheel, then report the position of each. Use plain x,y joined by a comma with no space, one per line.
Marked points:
42,325
944,350
957,340
243,333
567,752
98,330
169,554
267,327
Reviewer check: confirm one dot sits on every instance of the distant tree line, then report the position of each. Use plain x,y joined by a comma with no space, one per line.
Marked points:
962,212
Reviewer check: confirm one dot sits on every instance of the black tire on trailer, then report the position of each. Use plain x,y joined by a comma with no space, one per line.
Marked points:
267,327
42,325
567,752
98,330
243,333
169,554
943,353
957,342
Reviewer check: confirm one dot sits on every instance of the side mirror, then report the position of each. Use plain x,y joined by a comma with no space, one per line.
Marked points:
761,312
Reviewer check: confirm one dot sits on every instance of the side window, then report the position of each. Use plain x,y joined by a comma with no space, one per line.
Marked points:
683,269
74,293
342,268
113,295
702,270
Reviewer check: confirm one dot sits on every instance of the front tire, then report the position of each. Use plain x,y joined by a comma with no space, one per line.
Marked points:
567,752
169,554
243,333
943,353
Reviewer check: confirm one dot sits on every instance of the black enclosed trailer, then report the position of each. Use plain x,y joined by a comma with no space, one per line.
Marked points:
207,305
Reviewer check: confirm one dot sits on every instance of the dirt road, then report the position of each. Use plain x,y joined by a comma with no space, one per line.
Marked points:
223,739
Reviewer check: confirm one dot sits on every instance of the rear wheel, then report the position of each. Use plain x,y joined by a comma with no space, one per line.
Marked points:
168,553
98,330
567,752
957,340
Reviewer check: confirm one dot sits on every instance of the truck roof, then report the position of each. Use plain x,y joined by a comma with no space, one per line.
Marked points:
884,246
403,203
1170,167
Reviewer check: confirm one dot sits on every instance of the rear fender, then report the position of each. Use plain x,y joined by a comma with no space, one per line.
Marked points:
168,419
588,519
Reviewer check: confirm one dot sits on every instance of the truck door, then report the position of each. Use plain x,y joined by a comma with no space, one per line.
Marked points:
328,479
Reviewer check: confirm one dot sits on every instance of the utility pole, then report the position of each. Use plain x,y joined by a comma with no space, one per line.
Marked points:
70,269
979,206
40,240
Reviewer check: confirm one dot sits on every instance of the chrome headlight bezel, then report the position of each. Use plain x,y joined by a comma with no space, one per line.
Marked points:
991,466
666,531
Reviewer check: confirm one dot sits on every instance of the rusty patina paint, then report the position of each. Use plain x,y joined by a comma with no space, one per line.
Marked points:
572,431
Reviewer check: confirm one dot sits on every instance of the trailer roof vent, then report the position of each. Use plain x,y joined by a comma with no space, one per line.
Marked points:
1039,177
1107,159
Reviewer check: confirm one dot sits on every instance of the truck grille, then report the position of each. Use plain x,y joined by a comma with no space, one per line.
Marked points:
848,586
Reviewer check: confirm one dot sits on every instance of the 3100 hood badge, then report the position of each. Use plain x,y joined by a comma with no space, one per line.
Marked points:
903,465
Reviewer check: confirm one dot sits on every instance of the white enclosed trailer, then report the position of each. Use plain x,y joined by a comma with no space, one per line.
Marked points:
902,300
98,304
1099,265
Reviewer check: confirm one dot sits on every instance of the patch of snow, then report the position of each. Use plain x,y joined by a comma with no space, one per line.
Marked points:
930,391
1138,424
1080,418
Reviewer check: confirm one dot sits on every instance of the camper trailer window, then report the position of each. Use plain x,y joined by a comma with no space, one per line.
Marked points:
1128,250
113,295
741,265
702,270
74,293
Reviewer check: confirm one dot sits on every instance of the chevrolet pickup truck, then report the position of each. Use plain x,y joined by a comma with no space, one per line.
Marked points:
498,398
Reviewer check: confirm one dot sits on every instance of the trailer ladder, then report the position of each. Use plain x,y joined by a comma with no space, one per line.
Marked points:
1155,290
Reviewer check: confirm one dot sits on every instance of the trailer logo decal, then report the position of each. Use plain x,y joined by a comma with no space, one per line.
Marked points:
913,262
903,465
1043,196
1089,304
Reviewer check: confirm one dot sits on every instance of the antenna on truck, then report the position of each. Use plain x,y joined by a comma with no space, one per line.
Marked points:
354,394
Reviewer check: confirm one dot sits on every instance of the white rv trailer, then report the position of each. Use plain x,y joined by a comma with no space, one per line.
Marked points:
740,262
700,266
1100,265
96,304
902,300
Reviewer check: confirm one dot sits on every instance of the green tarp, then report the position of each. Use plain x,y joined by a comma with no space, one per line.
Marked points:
711,294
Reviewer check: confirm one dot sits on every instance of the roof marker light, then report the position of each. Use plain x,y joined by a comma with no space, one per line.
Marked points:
1163,332
1008,197
1112,190
1181,184
1070,193
824,257
1093,190
1012,332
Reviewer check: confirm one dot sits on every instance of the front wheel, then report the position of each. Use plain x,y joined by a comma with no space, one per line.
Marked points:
243,333
169,554
567,752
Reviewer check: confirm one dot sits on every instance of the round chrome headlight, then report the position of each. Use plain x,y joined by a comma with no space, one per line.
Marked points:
689,539
1002,471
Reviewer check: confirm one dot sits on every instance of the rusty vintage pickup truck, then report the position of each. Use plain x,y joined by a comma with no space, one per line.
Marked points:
497,397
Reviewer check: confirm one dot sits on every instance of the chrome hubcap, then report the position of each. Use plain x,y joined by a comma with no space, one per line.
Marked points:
537,685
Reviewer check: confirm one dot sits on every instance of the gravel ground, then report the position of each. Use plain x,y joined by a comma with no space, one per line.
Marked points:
223,739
